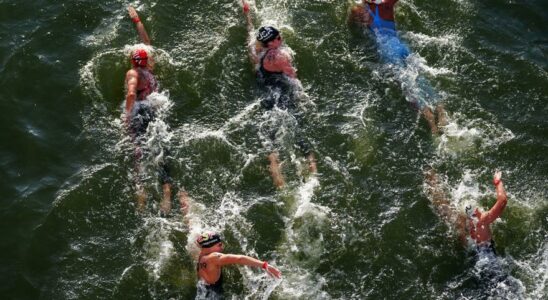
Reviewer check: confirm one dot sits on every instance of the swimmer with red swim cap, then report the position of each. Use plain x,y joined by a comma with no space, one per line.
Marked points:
211,258
140,83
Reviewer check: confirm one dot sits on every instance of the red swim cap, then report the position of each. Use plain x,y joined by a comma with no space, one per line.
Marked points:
139,58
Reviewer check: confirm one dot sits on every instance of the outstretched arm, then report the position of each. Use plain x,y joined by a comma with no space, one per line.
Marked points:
502,200
141,31
250,29
138,25
244,260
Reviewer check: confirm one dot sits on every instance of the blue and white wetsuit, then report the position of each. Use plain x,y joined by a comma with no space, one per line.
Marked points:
391,48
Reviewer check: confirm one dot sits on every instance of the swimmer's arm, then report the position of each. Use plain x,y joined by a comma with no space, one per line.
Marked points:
244,260
143,35
289,70
139,25
248,19
132,79
252,49
502,200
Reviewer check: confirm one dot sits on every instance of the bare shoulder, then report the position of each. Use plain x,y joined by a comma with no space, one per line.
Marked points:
212,257
132,77
131,73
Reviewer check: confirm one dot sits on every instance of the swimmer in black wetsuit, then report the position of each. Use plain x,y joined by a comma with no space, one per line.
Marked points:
211,259
140,83
276,74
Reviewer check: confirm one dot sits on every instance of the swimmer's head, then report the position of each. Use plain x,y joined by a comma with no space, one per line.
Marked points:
267,34
208,239
472,212
139,58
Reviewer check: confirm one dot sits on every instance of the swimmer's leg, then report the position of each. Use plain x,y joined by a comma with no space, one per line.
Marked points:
141,198
183,202
165,204
275,170
430,118
140,193
442,116
312,163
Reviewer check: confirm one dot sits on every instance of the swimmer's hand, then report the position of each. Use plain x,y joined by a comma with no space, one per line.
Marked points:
272,271
497,178
498,175
132,12
246,7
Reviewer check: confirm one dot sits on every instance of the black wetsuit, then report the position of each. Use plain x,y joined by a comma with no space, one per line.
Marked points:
486,247
211,291
280,91
142,114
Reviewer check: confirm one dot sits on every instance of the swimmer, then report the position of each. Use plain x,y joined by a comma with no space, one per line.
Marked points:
140,83
474,223
479,221
378,16
211,258
277,75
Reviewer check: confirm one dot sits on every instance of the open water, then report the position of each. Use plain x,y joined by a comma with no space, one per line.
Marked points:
362,228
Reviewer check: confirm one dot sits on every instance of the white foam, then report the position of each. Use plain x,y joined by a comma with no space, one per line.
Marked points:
158,249
451,40
105,33
476,135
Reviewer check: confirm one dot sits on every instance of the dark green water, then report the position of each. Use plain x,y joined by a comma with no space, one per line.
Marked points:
363,228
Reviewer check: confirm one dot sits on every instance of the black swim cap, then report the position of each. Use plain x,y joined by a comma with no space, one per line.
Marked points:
208,239
267,34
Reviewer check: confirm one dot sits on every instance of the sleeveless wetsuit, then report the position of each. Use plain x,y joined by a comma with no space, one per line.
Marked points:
145,75
280,91
143,113
486,247
212,291
391,48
